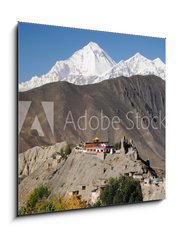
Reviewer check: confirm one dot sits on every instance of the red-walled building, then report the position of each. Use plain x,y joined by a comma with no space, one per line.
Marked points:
98,147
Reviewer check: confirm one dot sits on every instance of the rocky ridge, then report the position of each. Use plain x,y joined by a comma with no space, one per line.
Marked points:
83,174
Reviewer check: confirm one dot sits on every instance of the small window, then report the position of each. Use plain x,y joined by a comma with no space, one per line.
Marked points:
83,187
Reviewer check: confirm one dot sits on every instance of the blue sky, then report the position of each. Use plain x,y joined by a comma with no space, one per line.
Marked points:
40,46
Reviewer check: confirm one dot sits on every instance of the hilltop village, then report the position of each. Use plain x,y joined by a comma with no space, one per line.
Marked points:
85,171
103,150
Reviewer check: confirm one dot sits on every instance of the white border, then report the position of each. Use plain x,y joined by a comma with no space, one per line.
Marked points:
146,221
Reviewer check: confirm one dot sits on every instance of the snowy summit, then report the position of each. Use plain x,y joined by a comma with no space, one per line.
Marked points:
92,64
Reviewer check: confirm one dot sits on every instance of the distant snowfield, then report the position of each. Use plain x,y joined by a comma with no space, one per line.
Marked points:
92,64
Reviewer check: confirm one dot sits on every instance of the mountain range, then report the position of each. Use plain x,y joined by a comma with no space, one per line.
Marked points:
92,64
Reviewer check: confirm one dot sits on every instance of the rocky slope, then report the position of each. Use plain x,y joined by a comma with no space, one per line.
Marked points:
80,172
137,102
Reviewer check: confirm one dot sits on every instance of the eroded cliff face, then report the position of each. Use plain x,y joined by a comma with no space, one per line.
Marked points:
81,172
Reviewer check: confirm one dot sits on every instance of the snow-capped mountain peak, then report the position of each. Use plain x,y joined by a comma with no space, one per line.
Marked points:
137,57
136,65
91,64
158,62
91,60
93,46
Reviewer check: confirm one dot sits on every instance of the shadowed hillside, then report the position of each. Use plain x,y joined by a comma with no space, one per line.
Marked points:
127,99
